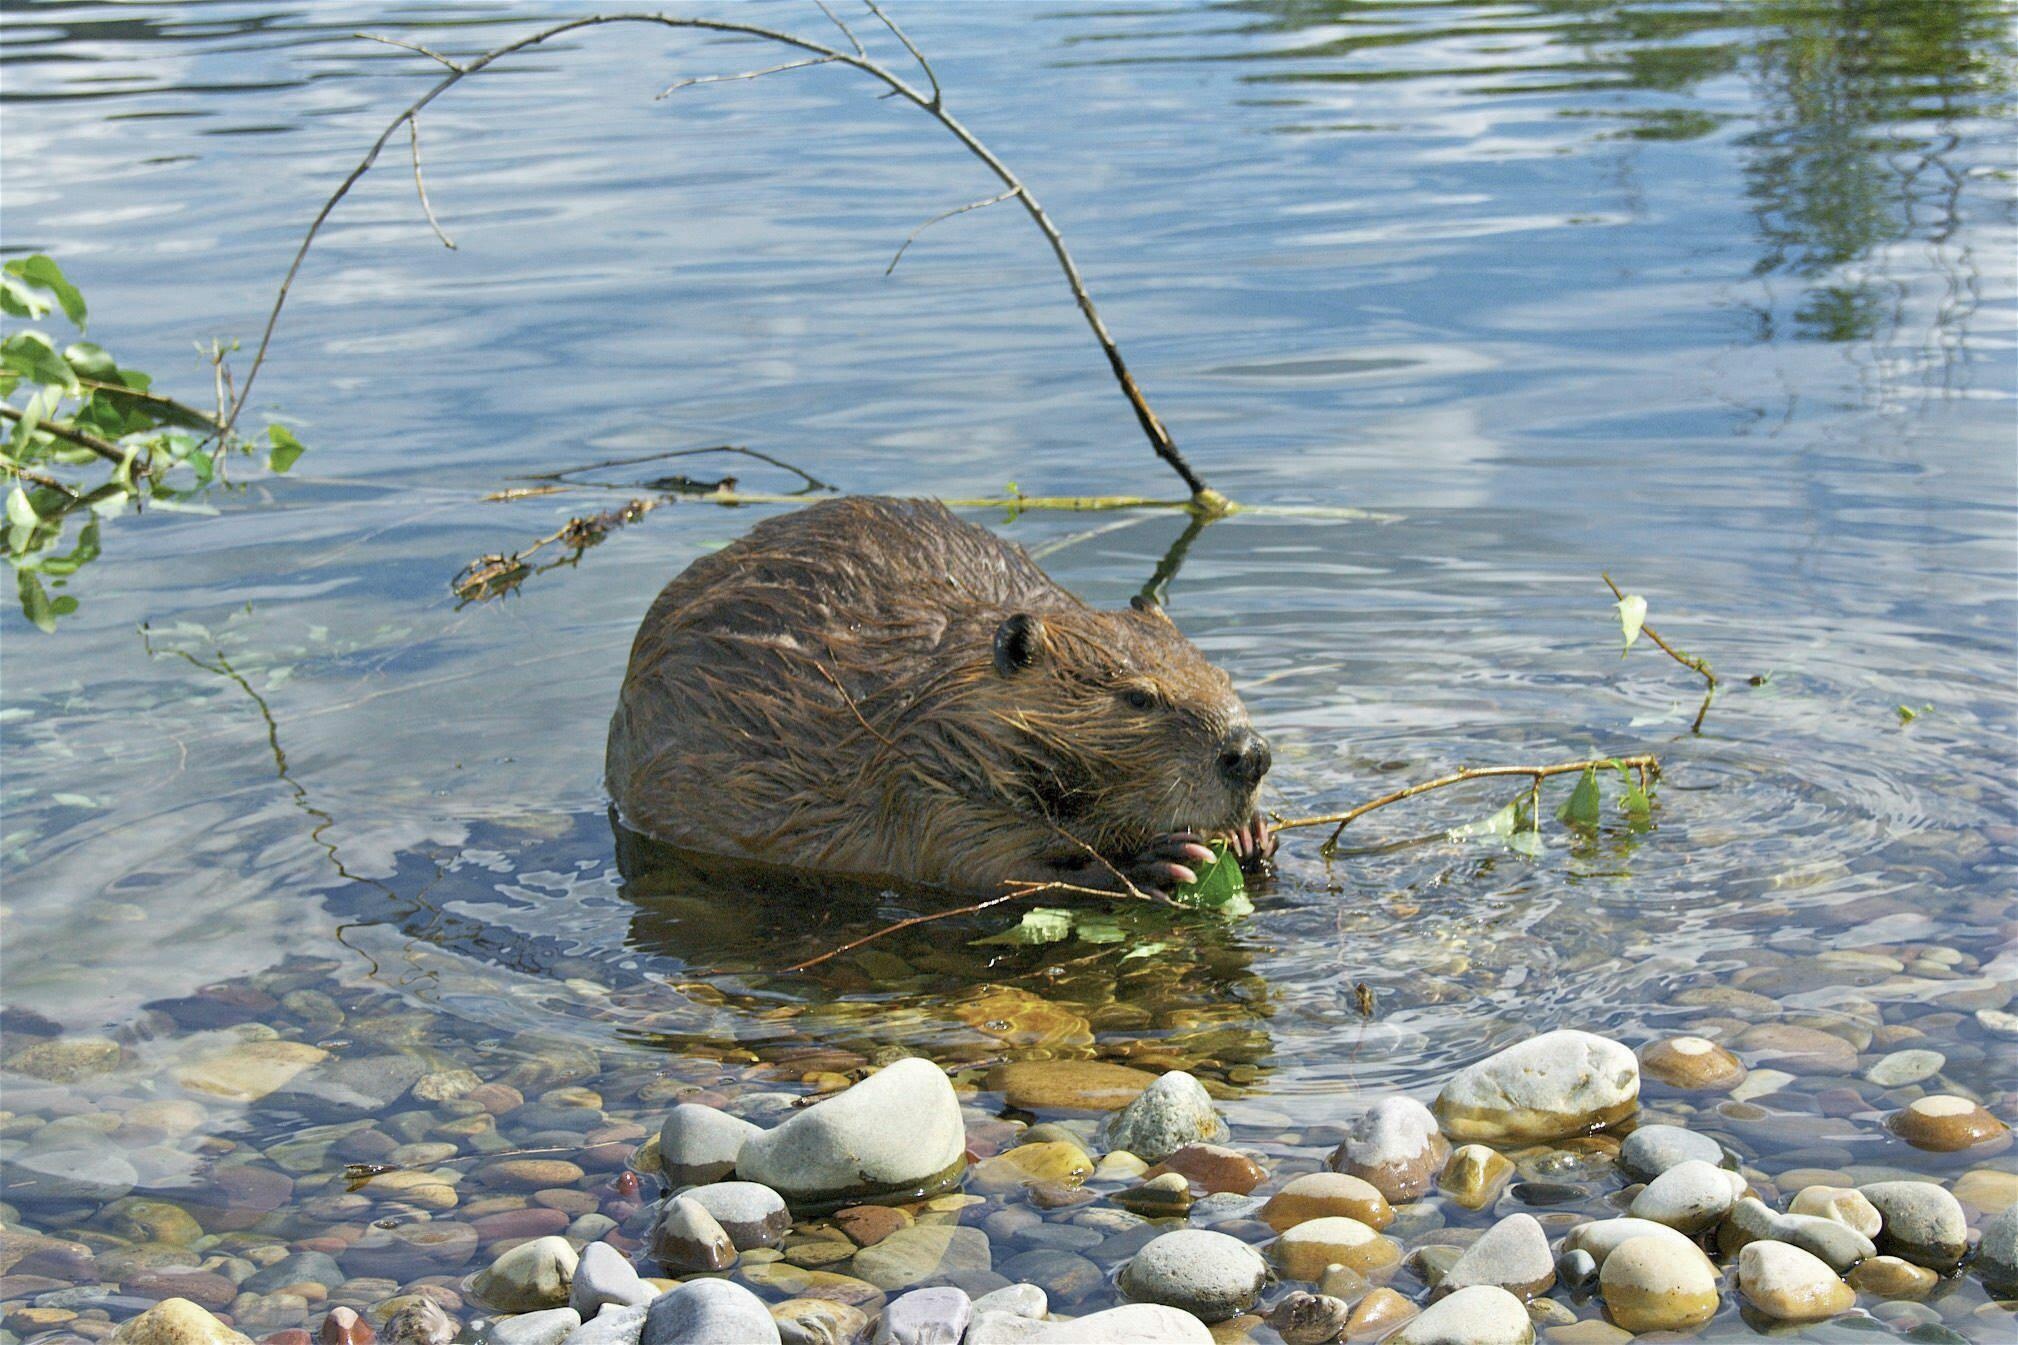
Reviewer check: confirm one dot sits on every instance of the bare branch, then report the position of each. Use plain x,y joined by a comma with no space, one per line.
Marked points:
104,448
846,31
1700,667
420,185
947,214
413,46
916,55
679,84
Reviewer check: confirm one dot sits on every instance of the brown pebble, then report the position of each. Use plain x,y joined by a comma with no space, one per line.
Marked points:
201,1287
292,1335
1945,1123
1322,1195
495,1098
1691,1064
625,1185
529,1174
530,1222
1377,1314
344,1327
867,1225
575,1203
1214,1167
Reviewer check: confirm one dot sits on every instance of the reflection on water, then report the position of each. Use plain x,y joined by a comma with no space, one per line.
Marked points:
1716,298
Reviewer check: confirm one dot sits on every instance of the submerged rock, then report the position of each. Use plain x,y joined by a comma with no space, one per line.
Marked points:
531,1276
1210,1275
1560,1083
176,1321
709,1312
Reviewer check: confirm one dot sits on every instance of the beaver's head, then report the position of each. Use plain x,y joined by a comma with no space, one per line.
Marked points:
1121,729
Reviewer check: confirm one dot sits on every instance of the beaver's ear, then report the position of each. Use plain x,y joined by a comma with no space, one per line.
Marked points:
1149,607
1018,642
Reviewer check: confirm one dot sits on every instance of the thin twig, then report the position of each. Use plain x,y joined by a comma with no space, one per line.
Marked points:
1536,774
46,482
912,237
679,84
1203,496
153,398
916,55
104,448
420,185
413,46
566,473
1698,666
846,31
886,930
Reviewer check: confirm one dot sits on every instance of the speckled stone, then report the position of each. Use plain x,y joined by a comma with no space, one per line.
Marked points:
1395,1146
1307,1248
1513,1254
1658,1284
1559,1083
1168,1114
1923,1223
1210,1275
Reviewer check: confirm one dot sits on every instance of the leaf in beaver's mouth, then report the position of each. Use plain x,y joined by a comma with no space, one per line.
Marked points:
1220,887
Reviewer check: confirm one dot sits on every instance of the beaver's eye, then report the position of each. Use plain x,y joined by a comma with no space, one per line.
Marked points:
1138,699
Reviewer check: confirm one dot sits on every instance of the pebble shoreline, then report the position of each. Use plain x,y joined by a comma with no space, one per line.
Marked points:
1757,1170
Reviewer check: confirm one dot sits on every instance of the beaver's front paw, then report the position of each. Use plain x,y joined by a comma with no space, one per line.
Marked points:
1168,862
1254,843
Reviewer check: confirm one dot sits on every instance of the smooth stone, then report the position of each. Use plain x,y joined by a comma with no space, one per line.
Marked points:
548,1327
97,1175
1130,1324
529,1174
1322,1195
687,1240
295,1268
752,1215
898,1129
1062,1275
412,1249
1396,1147
176,1321
1052,1162
1306,1249
531,1276
612,1326
249,1070
1906,1067
1997,1254
1578,1270
1652,1150
1590,1331
1474,1175
1752,1220
1805,1050
1945,1124
1602,1237
1691,1065
709,1312
1845,1205
1559,1083
1303,1318
820,1321
1689,1197
1513,1254
1987,1190
1480,1315
344,1327
1891,1278
603,1276
1210,1275
936,1316
922,1253
1025,1300
698,1144
1658,1284
1380,1312
1214,1168
1068,1085
1167,1196
1788,1284
352,1086
66,1059
1923,1223
1170,1113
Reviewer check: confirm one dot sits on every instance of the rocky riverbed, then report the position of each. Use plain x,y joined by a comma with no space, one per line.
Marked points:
291,1160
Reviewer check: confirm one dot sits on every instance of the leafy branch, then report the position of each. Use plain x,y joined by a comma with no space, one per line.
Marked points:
89,438
1632,609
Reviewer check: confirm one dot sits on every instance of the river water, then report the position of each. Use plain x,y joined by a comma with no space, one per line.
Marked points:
1472,303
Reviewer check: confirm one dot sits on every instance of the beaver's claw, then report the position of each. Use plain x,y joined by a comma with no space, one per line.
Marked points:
1168,862
1254,843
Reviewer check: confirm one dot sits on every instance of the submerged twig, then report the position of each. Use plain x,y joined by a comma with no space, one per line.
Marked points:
1696,665
1203,497
489,575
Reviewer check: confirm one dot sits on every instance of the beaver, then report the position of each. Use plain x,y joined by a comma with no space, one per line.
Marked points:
871,687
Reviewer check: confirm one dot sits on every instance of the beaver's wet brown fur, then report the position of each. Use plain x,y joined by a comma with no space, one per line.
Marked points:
873,687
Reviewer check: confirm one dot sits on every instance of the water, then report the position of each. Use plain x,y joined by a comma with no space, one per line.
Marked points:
1718,299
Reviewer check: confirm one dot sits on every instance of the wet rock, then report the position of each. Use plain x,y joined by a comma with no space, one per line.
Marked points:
421,1321
1480,1315
1923,1223
1788,1284
1513,1255
97,1174
344,1327
1804,1050
752,1215
923,1254
1578,1271
296,1268
1209,1275
1652,1150
687,1240
411,1249
176,1321
1170,1113
1751,1220
1396,1147
1131,1324
1053,1162
249,1070
1945,1123
1303,1318
1323,1195
352,1086
66,1059
1560,1083
1306,1249
819,1321
1068,1085
1842,1204
1062,1275
1997,1255
1901,1068
698,1144
548,1327
1602,1237
867,1225
1380,1312
1213,1167
709,1312
531,1276
1689,1197
1023,1300
1691,1065
1474,1175
1164,1197
612,1326
898,1129
1658,1284
443,1085
1987,1190
529,1174
1891,1278
604,1276
937,1316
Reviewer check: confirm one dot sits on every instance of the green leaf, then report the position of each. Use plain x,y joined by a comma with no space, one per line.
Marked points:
1040,924
17,300
1527,843
90,360
1500,824
40,270
1098,929
1632,615
1145,950
30,355
286,448
35,602
1907,714
1581,810
1220,888
20,511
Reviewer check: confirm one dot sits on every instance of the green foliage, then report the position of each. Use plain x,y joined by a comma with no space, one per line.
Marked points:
1220,888
86,438
1632,616
1907,714
1516,827
1581,808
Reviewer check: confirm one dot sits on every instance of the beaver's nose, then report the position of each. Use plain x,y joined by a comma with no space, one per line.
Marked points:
1244,757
